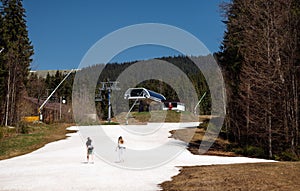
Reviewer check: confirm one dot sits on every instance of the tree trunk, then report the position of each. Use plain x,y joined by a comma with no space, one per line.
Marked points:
7,99
295,94
13,98
248,114
270,125
286,116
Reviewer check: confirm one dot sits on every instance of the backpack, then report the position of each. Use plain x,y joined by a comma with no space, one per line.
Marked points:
90,147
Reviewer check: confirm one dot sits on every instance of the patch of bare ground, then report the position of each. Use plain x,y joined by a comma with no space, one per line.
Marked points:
194,136
281,176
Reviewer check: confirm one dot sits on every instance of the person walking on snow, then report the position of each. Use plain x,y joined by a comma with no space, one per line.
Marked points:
120,149
90,149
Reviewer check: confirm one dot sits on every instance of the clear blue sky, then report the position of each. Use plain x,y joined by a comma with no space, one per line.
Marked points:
62,31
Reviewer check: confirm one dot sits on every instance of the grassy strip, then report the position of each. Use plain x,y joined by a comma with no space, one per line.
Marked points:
165,116
14,144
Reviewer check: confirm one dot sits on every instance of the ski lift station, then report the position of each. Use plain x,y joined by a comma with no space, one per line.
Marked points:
143,94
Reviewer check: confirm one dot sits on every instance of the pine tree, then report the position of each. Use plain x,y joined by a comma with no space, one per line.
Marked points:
17,58
3,73
230,60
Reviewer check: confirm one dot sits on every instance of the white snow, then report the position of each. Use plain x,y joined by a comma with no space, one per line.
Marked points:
62,165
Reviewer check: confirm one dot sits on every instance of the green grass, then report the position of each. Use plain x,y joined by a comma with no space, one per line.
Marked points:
141,116
110,123
164,116
14,144
19,144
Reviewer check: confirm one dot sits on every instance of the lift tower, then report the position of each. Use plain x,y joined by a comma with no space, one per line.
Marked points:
109,87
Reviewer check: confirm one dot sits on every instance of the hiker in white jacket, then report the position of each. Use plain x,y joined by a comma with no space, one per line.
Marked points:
120,149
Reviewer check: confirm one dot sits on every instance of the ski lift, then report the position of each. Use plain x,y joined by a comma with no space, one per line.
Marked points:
98,97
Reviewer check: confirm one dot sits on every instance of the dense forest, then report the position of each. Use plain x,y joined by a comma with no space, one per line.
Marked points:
15,59
259,58
260,61
40,88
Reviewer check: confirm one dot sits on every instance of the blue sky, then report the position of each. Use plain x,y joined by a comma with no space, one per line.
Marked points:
63,31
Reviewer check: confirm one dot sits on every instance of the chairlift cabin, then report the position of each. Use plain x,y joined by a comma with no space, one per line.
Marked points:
143,93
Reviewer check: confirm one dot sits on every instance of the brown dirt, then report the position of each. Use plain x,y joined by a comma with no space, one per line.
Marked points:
193,137
281,176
